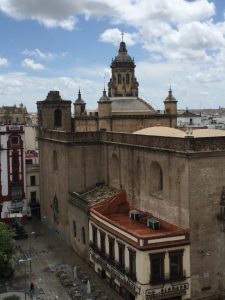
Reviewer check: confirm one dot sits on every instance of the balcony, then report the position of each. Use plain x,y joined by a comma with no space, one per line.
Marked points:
156,280
120,267
167,278
132,276
110,260
94,247
112,267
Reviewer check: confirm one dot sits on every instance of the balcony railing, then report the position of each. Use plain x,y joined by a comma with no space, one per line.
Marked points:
167,277
124,275
120,267
132,276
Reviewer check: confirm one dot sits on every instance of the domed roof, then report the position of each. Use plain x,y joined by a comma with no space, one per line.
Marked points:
161,131
170,96
173,132
104,97
79,99
122,55
131,105
198,133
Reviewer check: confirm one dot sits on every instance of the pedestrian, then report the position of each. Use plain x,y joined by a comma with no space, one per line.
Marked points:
31,288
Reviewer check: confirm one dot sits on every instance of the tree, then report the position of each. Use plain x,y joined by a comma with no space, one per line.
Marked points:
7,251
13,297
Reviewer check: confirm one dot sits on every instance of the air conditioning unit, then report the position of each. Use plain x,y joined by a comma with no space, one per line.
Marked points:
153,224
135,215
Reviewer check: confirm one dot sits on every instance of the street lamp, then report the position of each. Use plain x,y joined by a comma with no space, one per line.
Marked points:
25,277
32,233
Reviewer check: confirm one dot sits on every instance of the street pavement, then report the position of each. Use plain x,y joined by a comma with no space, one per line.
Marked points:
48,255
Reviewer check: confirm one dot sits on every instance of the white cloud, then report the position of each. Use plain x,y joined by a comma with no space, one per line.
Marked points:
191,86
43,55
32,89
4,62
67,24
95,72
183,40
38,53
29,63
114,36
174,29
45,12
64,13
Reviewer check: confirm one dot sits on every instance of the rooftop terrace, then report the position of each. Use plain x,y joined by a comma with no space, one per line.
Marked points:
116,213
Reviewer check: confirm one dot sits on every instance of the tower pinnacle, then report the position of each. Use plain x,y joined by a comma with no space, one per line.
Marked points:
122,34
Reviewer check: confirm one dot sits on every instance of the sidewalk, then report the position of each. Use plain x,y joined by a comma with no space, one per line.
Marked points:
19,294
49,254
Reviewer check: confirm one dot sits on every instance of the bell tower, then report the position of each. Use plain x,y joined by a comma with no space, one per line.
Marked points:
54,113
171,108
104,112
123,82
79,106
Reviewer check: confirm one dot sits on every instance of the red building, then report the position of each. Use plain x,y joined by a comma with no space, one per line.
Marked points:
12,171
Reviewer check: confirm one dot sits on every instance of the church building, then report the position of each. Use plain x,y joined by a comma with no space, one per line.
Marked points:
123,186
122,110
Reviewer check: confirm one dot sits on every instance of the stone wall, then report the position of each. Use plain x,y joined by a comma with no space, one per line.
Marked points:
193,177
83,124
123,123
54,185
206,177
78,218
134,123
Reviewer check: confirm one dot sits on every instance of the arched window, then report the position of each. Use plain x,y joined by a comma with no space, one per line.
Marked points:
119,79
114,175
58,118
83,236
127,78
156,178
55,161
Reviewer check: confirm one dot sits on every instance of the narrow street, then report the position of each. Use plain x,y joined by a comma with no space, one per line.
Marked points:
50,254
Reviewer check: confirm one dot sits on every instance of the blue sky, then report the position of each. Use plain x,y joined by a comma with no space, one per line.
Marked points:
66,45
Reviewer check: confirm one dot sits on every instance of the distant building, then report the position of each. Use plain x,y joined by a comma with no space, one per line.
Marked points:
31,140
12,175
189,119
32,169
14,115
32,181
19,164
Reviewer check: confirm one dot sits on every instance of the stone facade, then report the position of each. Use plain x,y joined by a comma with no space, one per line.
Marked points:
192,180
177,176
14,115
54,113
122,110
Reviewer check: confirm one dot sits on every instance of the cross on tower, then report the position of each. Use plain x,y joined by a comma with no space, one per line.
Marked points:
122,33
